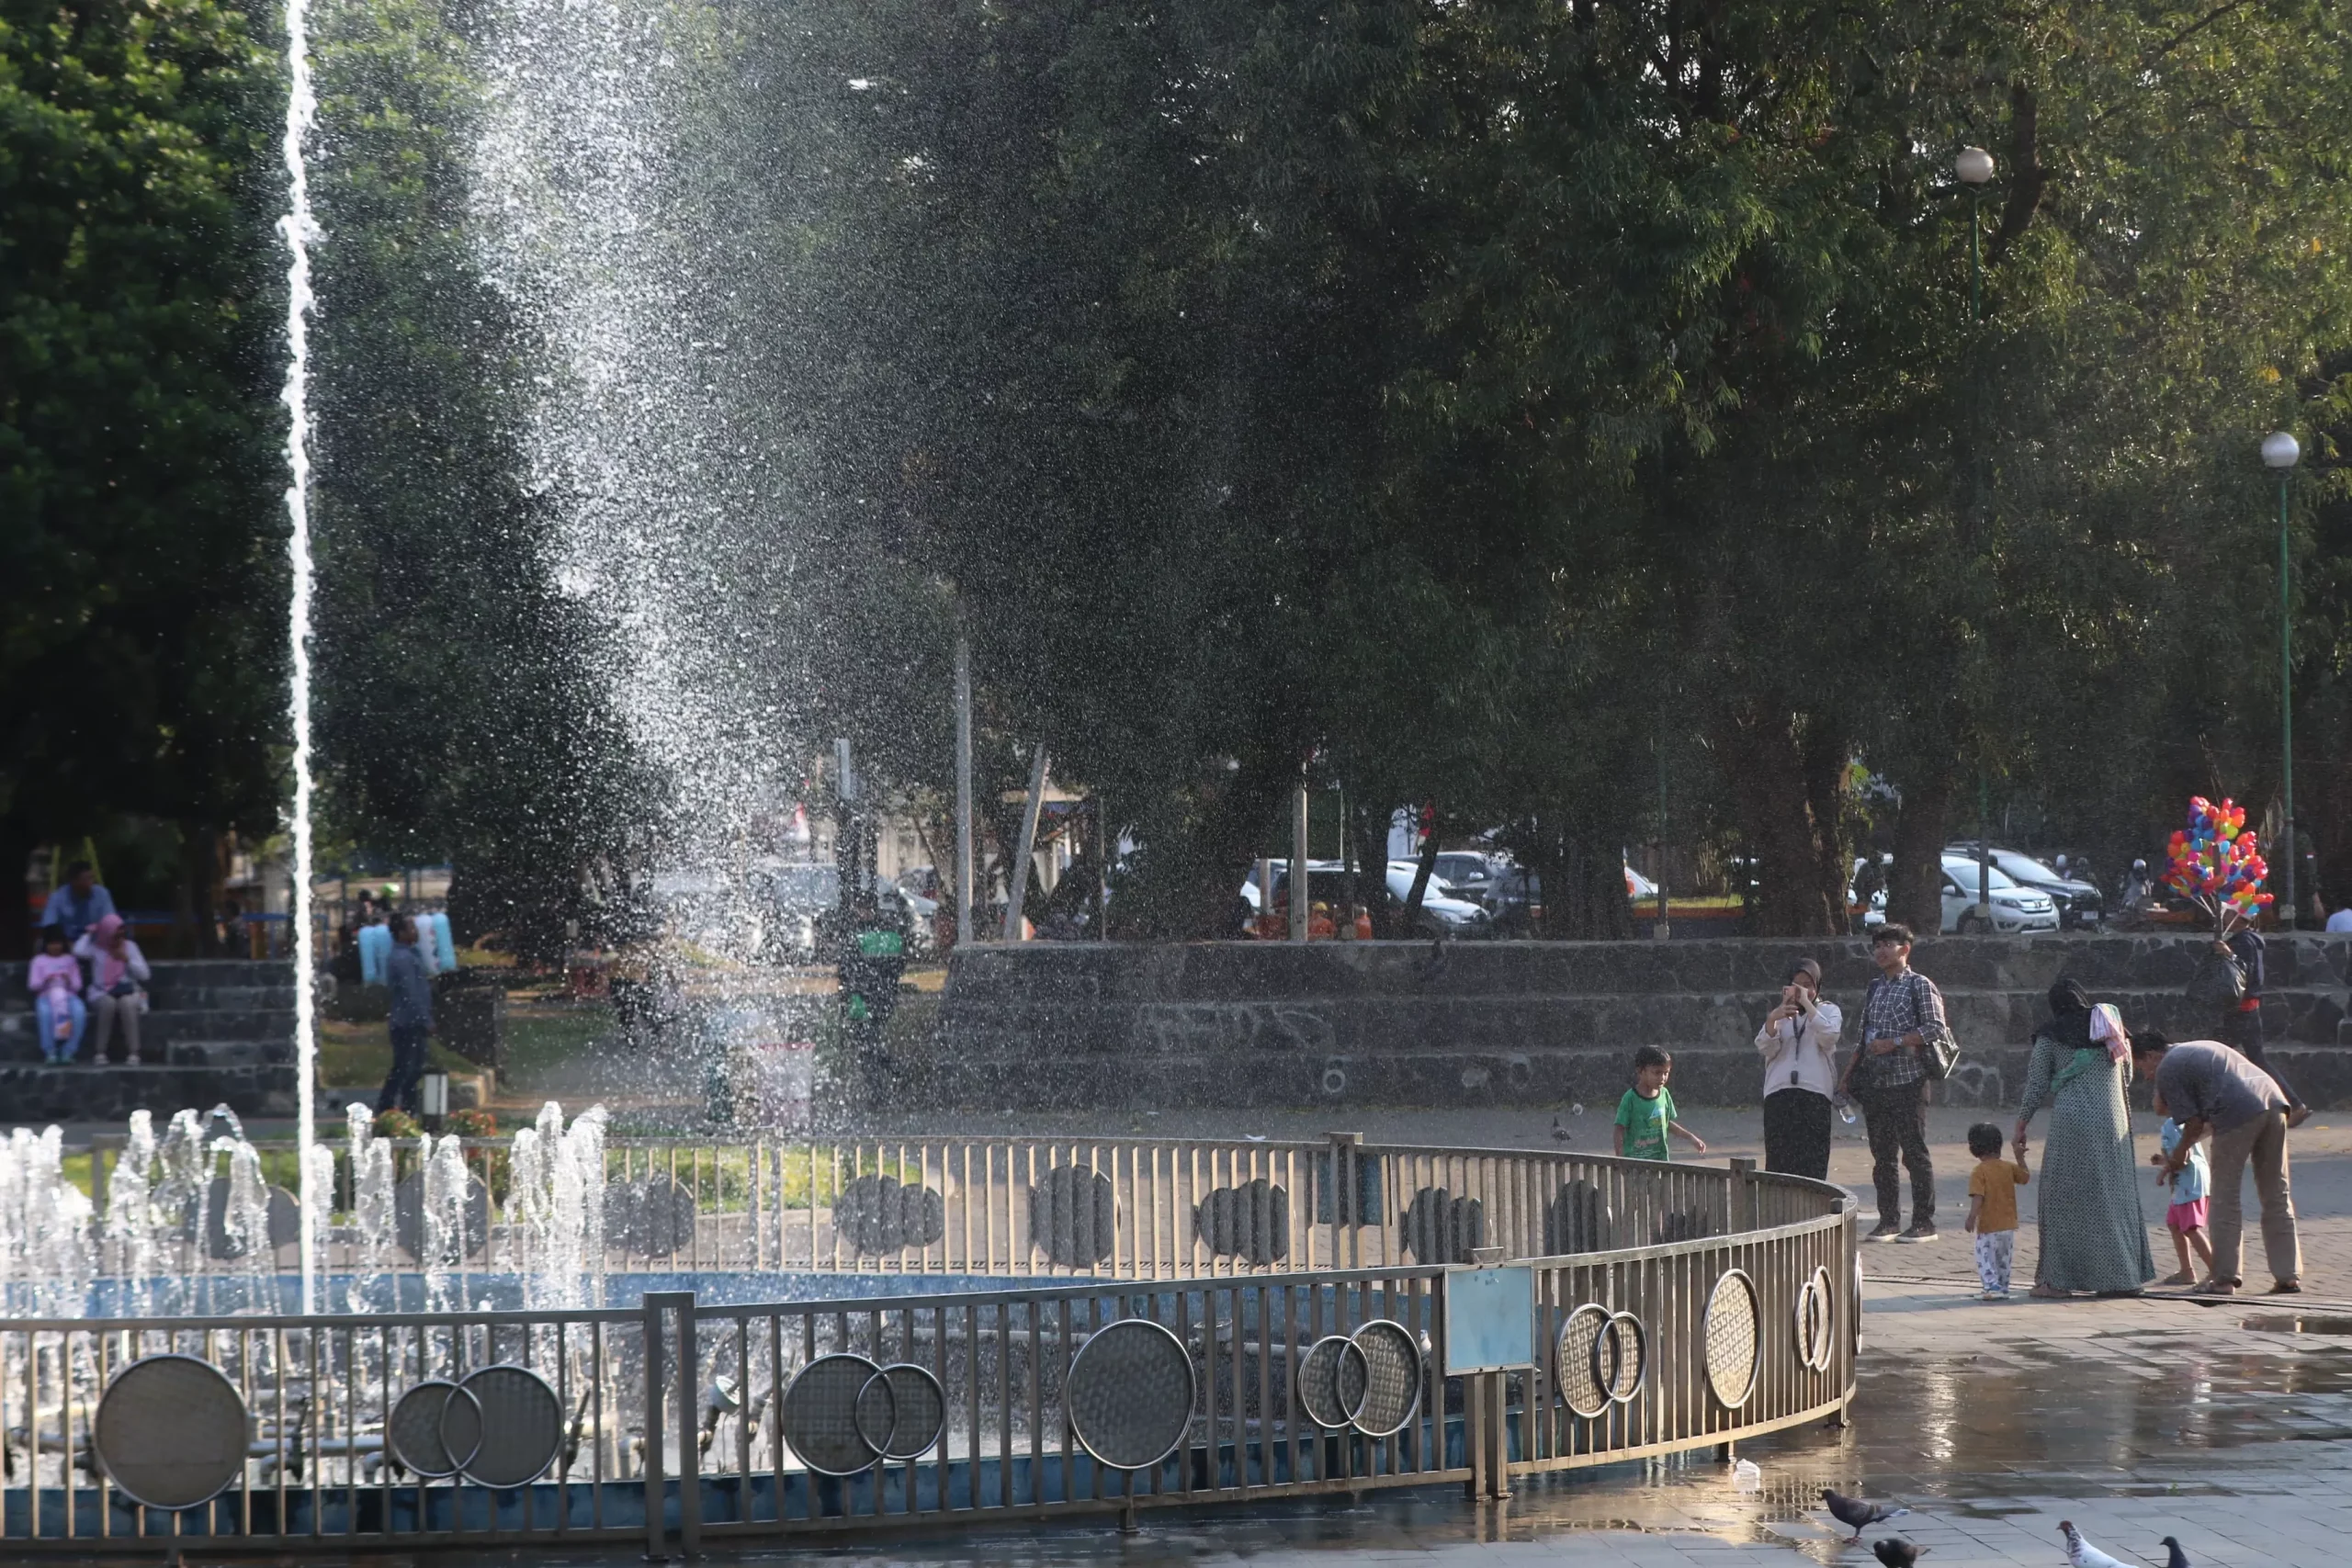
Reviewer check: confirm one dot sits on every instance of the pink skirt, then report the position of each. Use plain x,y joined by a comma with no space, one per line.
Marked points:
2188,1217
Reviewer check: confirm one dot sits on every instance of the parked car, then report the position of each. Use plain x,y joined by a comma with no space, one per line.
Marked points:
2015,908
1470,874
2080,905
1515,899
1445,911
790,897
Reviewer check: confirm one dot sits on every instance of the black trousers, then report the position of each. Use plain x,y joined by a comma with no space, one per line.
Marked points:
2243,1030
408,1065
1796,1133
1898,1125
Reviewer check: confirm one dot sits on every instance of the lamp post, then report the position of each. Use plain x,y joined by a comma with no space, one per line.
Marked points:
1974,165
2280,451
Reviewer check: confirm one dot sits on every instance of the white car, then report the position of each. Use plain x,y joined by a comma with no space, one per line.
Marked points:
1441,909
2015,907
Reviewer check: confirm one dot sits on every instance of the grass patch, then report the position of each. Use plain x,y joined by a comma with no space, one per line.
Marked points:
540,1036
359,1056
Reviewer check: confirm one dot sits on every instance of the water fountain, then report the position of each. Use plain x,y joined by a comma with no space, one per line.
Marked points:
616,1338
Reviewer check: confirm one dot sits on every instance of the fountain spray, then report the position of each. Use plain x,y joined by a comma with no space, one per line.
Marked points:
298,227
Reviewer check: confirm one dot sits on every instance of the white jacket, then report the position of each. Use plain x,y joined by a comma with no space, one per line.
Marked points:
1802,1052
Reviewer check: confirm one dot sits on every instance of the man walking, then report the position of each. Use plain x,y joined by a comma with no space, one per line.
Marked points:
2206,1086
1903,1019
411,1018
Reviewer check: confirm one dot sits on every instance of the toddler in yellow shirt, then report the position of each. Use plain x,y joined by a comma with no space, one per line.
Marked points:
1992,1209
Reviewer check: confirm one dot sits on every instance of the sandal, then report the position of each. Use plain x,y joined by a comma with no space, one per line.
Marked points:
2186,1277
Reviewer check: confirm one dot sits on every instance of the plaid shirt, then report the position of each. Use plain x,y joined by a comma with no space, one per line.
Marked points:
1908,1005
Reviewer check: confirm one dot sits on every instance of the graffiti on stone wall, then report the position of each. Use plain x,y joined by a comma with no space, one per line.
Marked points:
1204,1028
1973,1083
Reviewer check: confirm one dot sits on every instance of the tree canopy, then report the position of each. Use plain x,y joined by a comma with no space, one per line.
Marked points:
1535,412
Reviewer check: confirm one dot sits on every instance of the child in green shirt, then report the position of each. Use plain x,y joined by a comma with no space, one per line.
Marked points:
1646,1116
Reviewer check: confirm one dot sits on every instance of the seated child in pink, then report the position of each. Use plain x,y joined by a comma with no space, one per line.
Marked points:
55,982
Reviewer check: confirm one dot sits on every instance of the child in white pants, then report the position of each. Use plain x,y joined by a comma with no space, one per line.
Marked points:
1992,1209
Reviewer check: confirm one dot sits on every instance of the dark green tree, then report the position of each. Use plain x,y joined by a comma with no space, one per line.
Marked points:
142,573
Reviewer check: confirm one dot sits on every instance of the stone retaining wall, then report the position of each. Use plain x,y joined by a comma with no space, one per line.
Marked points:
1403,1023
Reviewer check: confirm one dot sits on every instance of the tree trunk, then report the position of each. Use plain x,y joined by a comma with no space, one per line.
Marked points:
1371,836
1775,758
1915,884
16,846
1828,757
1584,889
199,885
1424,868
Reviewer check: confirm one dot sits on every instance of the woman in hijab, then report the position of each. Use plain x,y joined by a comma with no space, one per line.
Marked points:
1799,1044
2092,1237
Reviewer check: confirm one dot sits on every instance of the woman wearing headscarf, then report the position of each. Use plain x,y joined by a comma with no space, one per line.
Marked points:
2092,1237
1799,1044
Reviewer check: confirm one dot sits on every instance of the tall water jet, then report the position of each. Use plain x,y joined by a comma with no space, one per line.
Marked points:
299,227
652,432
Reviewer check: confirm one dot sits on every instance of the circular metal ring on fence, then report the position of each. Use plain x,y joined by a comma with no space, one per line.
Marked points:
1582,1386
1731,1338
512,1424
1621,1357
876,1413
917,1411
824,1415
1391,1380
170,1432
1318,1380
1130,1392
1816,1323
418,1432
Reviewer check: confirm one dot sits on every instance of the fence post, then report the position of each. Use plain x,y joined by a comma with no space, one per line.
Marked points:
687,1362
657,1390
1345,1237
1743,1175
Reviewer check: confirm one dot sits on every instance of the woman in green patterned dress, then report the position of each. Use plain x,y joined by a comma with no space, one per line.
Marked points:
2092,1237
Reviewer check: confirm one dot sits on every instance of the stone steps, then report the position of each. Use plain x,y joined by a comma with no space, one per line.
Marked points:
216,1031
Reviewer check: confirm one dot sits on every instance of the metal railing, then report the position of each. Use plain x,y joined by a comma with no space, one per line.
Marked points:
1095,1208
678,1419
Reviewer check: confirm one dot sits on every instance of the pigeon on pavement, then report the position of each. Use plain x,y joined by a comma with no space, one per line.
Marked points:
1856,1512
2178,1559
2081,1553
1897,1552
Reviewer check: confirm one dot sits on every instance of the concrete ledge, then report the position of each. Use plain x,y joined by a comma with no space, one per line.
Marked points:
1399,1024
36,1095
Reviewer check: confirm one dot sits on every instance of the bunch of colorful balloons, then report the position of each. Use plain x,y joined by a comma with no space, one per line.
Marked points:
2216,863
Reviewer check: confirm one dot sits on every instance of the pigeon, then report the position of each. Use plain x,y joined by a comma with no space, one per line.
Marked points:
2178,1559
1897,1552
2081,1553
1856,1512
1560,1134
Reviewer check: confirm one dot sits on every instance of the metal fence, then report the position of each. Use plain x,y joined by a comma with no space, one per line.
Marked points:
678,1419
1119,1209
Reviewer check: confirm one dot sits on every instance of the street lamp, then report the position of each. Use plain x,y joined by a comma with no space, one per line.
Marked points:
1975,167
2280,451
